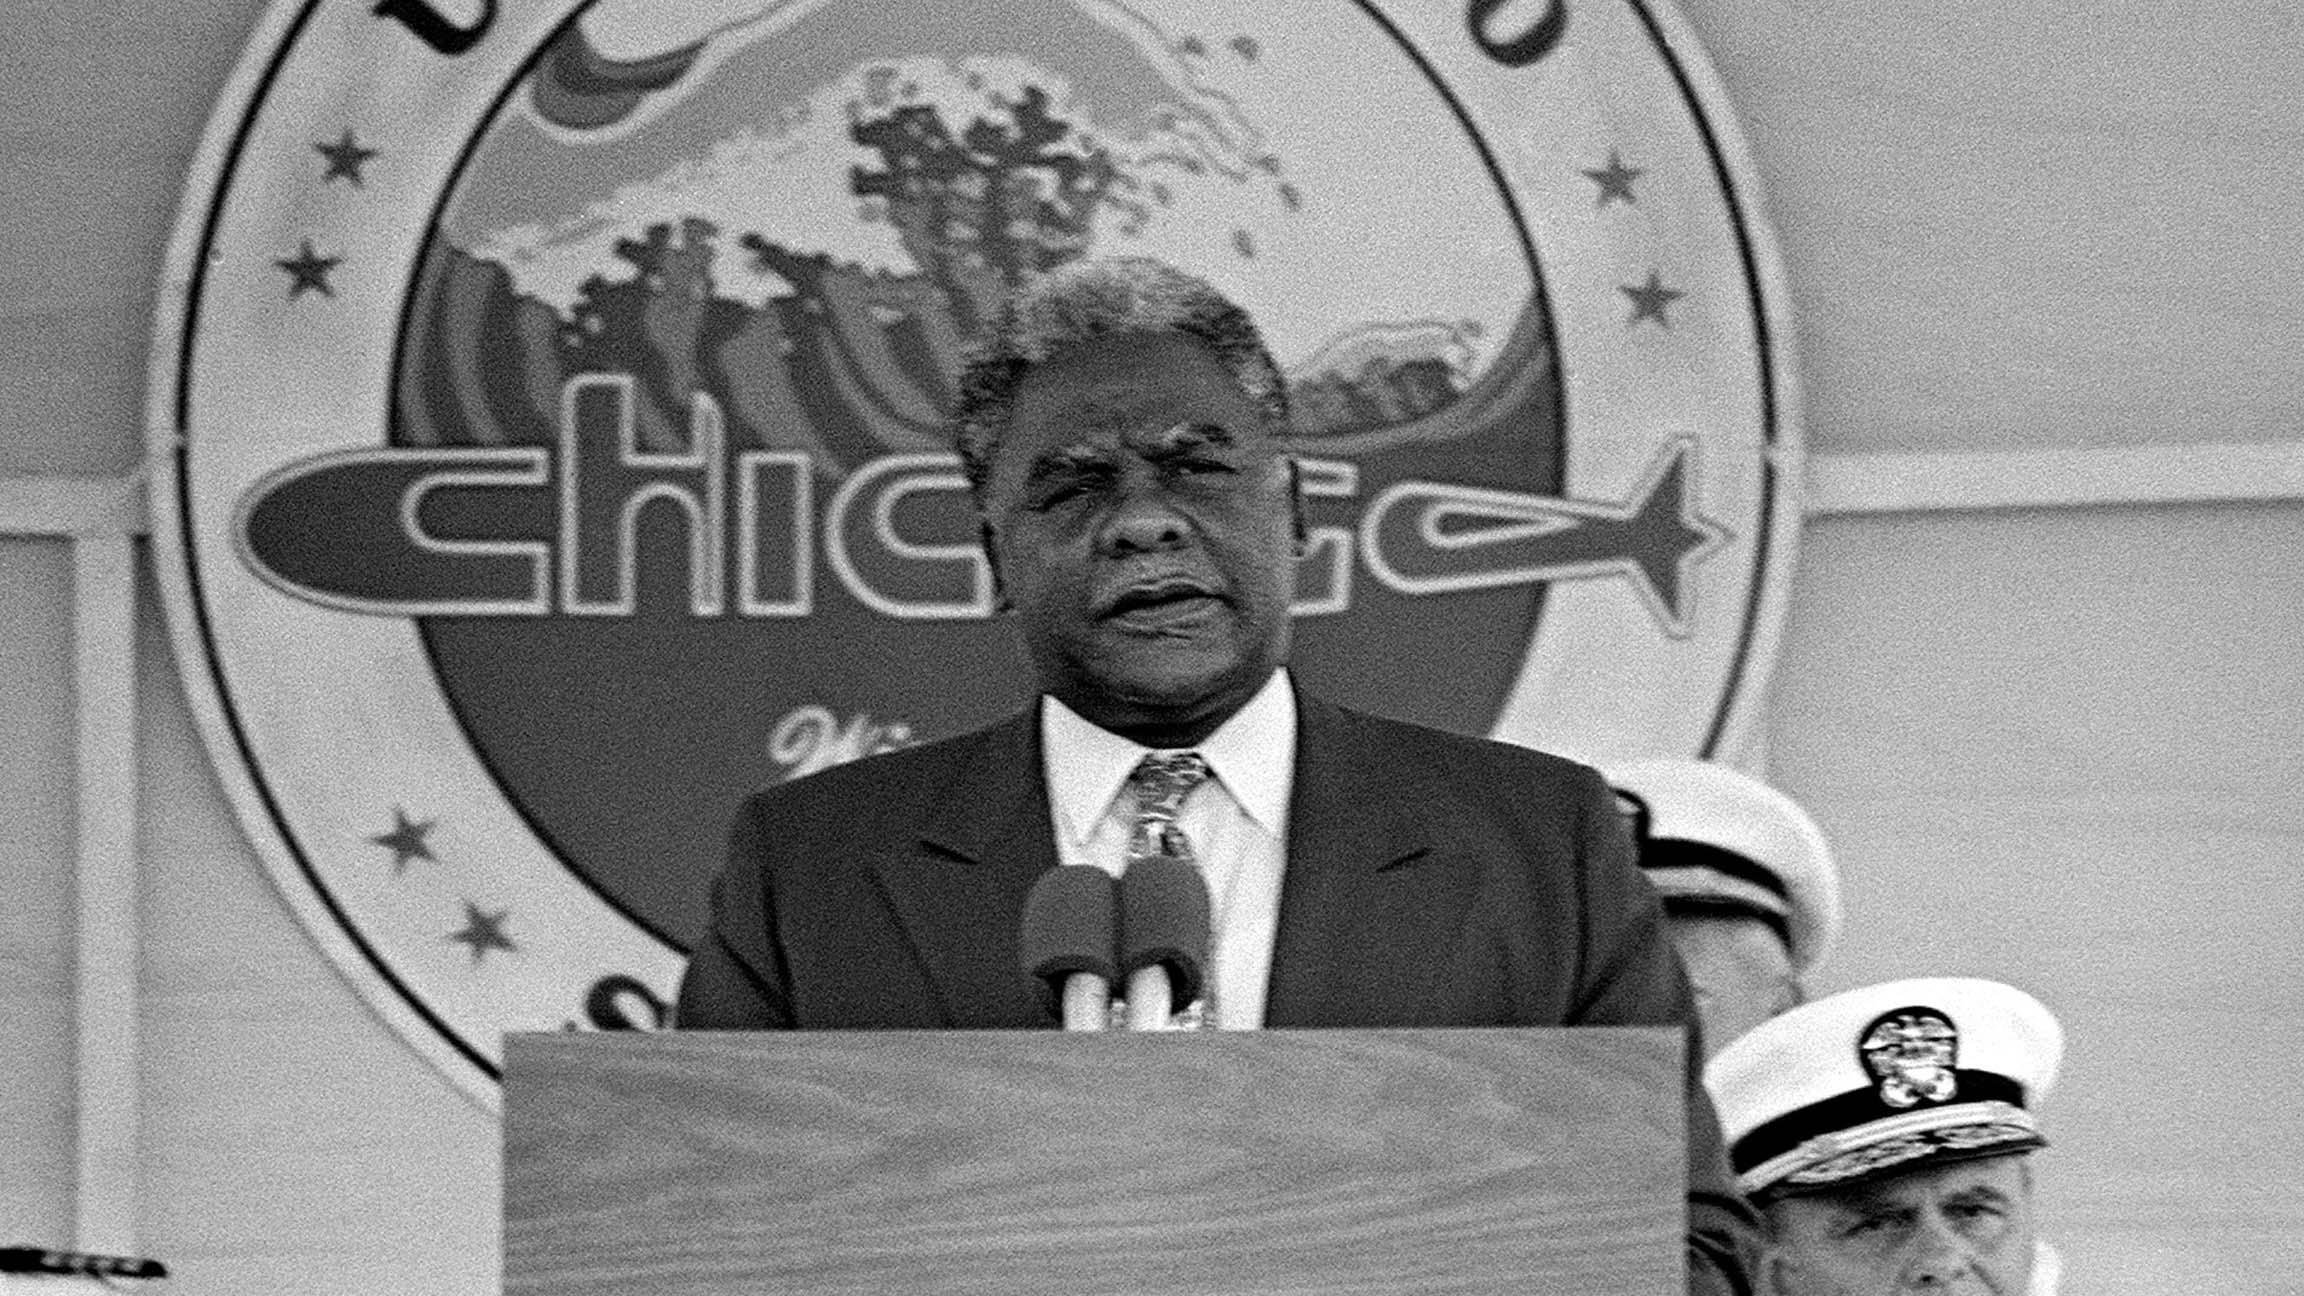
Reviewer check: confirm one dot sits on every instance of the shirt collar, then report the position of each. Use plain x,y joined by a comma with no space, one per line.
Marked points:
1253,754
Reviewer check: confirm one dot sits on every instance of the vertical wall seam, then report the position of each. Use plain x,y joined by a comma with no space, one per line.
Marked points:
107,930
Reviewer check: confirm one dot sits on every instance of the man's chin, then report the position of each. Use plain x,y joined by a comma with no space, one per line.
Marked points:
1178,687
1174,682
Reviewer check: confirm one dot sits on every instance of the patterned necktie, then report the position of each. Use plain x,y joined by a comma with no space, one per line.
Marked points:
1159,784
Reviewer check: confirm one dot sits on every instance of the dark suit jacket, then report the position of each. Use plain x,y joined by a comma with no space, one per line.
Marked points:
1431,880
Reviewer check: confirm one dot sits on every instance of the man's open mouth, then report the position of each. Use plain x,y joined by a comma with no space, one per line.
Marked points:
1162,600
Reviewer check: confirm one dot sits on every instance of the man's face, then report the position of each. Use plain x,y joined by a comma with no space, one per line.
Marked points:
1739,968
1140,515
1957,1230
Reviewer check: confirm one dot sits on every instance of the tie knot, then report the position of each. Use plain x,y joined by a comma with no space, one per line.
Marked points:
1162,780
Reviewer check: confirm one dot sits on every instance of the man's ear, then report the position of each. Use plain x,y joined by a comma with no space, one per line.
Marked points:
990,539
1296,507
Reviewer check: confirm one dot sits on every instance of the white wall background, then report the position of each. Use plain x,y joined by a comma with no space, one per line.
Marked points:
2033,252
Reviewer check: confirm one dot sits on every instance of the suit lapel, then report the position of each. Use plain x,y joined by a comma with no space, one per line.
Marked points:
958,893
1371,901
1358,875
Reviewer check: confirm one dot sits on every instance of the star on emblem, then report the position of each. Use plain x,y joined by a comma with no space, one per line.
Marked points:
483,931
345,158
406,841
1615,180
308,270
1650,299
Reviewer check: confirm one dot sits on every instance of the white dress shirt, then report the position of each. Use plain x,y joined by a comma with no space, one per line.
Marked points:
1237,822
2047,1270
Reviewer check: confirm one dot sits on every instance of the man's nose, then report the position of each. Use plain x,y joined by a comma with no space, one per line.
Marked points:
1143,520
1940,1257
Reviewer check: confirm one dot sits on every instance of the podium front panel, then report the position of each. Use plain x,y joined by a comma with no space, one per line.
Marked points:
1009,1162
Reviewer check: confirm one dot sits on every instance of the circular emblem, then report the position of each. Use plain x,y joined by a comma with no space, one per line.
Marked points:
547,415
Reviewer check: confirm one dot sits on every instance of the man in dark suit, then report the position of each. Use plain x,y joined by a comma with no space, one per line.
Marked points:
1124,436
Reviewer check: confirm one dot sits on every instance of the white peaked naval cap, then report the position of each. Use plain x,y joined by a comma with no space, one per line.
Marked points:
1718,837
1872,1082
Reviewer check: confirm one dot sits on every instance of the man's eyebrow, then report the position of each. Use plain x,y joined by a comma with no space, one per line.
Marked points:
1978,1194
1865,1208
1194,432
1060,460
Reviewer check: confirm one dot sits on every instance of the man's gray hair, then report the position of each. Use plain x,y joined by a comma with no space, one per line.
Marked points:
1093,299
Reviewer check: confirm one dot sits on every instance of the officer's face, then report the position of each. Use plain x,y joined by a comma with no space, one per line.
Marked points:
1958,1230
1739,968
1141,519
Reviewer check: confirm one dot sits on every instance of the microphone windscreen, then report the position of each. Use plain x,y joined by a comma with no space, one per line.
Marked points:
1164,920
1069,921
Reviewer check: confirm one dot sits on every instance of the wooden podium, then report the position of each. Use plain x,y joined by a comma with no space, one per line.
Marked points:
1389,1161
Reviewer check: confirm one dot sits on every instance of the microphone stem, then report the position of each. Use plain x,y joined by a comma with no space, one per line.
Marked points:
1150,1001
1087,1002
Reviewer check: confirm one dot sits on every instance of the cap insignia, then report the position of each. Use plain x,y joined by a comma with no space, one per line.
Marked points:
1910,1053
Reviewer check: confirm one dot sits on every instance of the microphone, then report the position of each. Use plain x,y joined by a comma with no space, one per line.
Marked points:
1067,942
1163,938
33,1260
